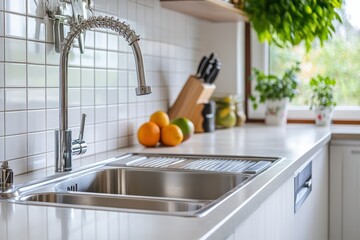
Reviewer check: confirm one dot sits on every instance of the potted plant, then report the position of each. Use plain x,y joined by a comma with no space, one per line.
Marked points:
291,22
275,92
322,99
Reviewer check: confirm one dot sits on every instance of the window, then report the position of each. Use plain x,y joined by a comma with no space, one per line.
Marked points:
338,58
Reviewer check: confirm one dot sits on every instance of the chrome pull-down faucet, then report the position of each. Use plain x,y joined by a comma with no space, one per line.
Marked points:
65,147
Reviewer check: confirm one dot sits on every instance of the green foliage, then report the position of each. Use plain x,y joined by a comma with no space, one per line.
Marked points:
287,23
322,89
272,87
338,58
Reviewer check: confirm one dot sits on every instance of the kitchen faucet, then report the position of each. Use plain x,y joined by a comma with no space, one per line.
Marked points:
65,147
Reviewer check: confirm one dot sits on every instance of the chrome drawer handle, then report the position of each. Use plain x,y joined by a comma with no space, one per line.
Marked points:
355,151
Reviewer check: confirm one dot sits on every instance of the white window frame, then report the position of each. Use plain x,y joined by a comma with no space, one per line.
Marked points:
260,60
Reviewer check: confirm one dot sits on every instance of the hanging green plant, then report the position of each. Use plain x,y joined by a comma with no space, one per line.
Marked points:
287,22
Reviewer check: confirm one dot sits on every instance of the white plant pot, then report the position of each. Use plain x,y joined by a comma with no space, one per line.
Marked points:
323,116
276,112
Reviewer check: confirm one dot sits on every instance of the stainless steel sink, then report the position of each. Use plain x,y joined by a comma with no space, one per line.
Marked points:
101,201
186,185
155,183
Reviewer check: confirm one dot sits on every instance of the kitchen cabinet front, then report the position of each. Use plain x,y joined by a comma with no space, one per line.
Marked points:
344,190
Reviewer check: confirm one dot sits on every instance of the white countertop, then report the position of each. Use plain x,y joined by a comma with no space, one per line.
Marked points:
295,142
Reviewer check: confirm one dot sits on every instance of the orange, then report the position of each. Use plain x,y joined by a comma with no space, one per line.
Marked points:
160,118
148,134
171,135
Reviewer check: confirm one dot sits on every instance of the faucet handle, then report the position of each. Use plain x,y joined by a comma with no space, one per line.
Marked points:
82,127
79,146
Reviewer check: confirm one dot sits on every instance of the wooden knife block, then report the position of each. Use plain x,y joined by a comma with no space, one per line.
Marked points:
190,100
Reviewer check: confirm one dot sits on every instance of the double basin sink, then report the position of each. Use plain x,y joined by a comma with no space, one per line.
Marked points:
185,185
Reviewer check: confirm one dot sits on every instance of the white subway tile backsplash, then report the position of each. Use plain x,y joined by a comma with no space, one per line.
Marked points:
87,78
123,128
75,57
112,78
112,96
122,78
2,47
100,96
2,149
87,97
123,95
74,117
123,60
132,110
101,146
36,98
15,146
74,97
19,166
15,99
15,122
100,132
36,52
52,97
36,29
88,58
112,6
52,76
36,143
74,77
52,57
2,124
36,75
15,25
122,9
36,162
123,111
100,40
18,6
100,78
35,8
89,133
112,60
112,144
102,81
15,75
112,113
113,43
36,120
100,114
131,14
50,142
52,119
132,79
15,50
90,39
2,99
100,58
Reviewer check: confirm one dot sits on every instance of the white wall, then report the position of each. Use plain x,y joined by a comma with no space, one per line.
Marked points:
228,42
102,81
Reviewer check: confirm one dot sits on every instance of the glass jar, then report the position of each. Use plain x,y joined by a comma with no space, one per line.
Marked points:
225,112
240,112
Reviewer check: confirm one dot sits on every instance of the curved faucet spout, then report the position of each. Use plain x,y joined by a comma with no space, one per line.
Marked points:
63,139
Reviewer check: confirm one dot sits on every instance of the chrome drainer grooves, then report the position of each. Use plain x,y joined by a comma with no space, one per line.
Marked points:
156,162
212,164
220,165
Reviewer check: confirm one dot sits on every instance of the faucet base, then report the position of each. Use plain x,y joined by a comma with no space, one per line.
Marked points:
63,151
